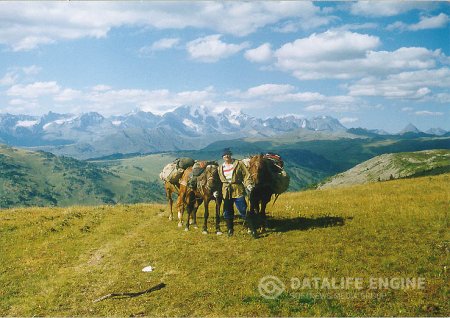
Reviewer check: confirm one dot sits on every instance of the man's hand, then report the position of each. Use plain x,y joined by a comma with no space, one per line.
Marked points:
216,194
250,188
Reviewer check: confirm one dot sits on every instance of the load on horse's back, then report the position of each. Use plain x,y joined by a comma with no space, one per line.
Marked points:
171,175
198,185
269,177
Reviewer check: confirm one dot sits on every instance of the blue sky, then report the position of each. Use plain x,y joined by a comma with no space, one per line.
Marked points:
370,64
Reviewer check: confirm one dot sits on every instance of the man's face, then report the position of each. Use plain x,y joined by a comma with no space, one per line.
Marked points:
227,158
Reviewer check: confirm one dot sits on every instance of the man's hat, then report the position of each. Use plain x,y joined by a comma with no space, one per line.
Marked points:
226,151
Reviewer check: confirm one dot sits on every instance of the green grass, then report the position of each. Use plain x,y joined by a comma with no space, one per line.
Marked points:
42,179
57,261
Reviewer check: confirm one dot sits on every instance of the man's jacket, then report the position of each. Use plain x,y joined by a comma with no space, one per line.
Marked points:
239,180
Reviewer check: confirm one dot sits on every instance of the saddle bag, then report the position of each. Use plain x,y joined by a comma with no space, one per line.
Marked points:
280,182
280,177
171,173
184,162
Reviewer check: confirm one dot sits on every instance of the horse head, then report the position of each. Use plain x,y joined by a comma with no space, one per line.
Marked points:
212,177
258,169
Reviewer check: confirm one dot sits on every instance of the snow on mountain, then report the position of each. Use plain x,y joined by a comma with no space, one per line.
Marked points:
410,128
187,127
436,131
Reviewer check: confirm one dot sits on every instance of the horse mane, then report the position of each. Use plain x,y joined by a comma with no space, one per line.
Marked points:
259,169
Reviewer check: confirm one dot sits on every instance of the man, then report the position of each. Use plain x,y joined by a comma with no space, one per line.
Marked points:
235,181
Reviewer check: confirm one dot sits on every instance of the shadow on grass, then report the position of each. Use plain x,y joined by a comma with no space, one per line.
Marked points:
302,224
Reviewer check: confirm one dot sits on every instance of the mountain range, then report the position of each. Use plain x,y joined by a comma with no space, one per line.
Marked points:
91,135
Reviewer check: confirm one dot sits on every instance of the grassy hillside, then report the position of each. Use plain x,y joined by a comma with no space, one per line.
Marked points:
42,179
393,166
57,261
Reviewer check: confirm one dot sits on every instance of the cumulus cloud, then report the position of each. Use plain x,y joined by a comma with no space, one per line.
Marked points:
406,85
67,95
348,120
345,55
387,8
272,94
436,22
14,74
9,79
428,113
211,49
45,96
322,55
261,54
25,26
266,90
34,90
160,45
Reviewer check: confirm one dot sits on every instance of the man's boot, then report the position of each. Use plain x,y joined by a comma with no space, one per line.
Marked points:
230,227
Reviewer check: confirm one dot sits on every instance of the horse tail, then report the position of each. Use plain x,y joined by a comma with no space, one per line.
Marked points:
276,197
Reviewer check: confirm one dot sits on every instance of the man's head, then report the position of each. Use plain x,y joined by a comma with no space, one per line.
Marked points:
226,155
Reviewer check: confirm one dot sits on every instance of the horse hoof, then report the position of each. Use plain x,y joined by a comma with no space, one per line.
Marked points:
170,218
219,233
186,229
204,232
195,226
180,224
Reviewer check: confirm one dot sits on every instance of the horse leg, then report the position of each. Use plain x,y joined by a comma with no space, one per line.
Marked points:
193,219
169,198
190,206
196,204
180,207
263,213
218,203
205,217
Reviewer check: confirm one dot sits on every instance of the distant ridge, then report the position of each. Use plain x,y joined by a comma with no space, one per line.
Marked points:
393,166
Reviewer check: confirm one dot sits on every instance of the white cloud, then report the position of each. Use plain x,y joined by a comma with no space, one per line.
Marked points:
407,109
157,101
345,55
101,87
15,73
160,45
330,45
428,113
443,98
211,49
436,22
34,90
31,70
387,8
406,85
356,26
261,54
315,108
268,90
26,25
348,120
329,54
67,95
269,95
9,79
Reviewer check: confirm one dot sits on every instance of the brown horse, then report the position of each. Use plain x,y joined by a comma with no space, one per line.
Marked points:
261,175
171,188
209,187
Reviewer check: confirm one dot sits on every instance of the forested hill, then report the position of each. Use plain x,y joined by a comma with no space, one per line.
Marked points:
43,179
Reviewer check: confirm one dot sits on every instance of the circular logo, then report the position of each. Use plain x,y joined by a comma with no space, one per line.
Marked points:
270,287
